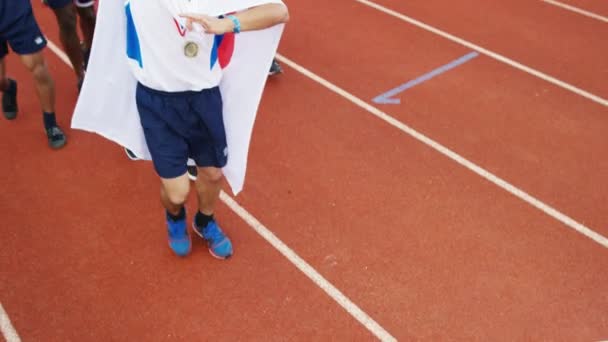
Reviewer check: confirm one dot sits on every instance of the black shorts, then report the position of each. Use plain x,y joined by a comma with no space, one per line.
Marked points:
56,4
22,34
182,125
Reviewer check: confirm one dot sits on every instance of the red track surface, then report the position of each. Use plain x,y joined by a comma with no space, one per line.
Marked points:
428,249
597,7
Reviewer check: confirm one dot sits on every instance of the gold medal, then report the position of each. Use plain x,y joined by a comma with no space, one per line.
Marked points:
191,49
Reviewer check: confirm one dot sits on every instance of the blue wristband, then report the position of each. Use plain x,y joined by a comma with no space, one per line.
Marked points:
237,23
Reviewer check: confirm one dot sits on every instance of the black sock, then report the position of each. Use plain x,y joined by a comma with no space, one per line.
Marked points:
49,120
202,220
178,217
8,86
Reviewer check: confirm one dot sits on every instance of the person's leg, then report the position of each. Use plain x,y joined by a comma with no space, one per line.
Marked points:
87,16
174,193
169,153
173,196
26,39
45,88
8,87
208,187
4,81
209,150
66,19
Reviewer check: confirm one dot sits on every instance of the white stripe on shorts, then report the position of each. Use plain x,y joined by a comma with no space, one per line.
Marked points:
84,3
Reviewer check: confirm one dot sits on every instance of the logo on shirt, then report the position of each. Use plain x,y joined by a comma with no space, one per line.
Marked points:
39,40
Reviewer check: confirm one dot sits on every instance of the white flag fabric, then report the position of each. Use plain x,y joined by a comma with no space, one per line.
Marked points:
106,104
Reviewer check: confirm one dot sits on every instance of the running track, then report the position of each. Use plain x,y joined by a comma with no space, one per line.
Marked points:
416,245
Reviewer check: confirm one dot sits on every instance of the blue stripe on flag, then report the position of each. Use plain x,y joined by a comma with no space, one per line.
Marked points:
133,48
214,51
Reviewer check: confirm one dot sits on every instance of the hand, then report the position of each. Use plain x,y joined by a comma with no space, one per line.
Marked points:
210,24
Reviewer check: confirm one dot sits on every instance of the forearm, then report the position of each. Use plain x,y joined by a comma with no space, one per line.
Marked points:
261,17
256,18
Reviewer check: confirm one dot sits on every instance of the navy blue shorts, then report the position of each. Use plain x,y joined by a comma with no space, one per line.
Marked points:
182,125
56,4
22,34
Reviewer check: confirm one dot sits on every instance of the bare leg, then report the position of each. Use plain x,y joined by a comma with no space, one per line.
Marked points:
66,18
173,195
45,87
10,107
208,186
87,24
174,192
3,78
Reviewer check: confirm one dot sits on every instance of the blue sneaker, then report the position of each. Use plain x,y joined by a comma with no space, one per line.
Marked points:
219,244
179,238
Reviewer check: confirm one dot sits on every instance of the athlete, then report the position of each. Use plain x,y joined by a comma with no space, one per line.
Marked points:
181,107
66,12
20,31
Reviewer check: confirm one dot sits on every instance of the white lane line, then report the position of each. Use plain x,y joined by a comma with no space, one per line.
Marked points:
568,221
577,10
333,292
488,53
59,52
8,331
308,270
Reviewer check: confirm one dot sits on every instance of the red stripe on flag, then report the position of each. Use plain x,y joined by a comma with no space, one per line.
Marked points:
226,49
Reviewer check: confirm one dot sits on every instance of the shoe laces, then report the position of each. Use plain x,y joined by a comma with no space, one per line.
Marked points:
177,230
55,133
213,233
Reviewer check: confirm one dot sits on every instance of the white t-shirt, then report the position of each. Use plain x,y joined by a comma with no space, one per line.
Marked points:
157,39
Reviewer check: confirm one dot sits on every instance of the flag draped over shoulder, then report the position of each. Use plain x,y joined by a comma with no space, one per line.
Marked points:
106,104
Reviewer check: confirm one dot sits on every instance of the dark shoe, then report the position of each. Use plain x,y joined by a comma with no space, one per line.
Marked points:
9,100
56,137
275,68
131,155
192,173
